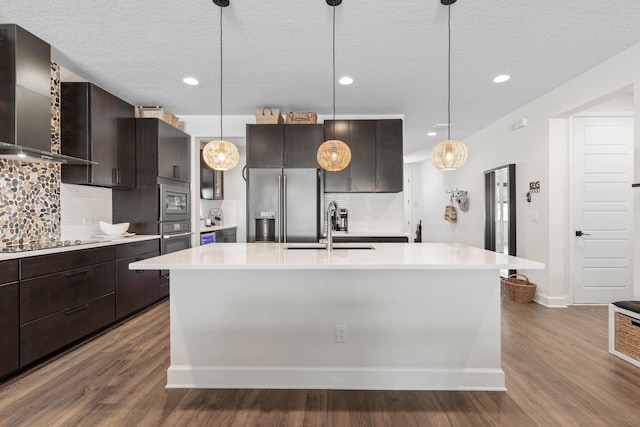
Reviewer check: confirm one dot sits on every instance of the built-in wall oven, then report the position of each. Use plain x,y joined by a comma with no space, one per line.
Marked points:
174,226
176,236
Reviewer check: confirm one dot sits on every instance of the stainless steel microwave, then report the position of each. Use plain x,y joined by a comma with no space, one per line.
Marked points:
174,202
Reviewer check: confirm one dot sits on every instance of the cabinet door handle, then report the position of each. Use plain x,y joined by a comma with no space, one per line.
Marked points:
114,176
76,273
118,175
76,309
176,172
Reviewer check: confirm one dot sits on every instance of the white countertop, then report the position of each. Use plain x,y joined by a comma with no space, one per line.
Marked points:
101,243
257,256
205,229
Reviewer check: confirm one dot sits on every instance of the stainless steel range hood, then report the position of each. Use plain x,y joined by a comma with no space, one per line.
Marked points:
25,98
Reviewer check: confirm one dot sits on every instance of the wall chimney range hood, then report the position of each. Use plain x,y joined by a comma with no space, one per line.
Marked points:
25,99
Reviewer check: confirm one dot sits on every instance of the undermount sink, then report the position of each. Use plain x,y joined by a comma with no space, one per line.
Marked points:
324,246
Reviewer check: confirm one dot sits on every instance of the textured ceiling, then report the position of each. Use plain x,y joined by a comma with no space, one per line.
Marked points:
278,53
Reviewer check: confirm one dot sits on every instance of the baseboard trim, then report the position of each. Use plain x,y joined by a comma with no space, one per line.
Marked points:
552,302
490,379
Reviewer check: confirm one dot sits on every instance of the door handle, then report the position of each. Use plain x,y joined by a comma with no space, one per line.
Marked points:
284,209
580,234
173,236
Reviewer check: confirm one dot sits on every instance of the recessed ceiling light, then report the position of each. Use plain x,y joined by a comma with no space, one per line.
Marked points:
190,81
346,80
432,133
501,78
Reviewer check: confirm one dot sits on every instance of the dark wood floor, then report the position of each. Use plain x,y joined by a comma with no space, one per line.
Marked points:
558,373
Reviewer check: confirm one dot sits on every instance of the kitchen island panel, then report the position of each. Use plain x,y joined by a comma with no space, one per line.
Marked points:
406,329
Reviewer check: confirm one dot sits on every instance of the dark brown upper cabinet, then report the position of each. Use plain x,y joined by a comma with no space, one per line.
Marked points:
389,156
283,146
376,156
211,182
173,148
97,126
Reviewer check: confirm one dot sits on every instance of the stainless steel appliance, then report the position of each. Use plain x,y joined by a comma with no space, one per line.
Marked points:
176,236
25,85
226,235
174,224
341,219
286,201
265,226
174,202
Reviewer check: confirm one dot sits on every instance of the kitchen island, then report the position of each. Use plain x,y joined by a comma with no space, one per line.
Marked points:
400,316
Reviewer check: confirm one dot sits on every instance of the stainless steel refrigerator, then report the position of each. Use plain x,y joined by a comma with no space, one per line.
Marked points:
283,205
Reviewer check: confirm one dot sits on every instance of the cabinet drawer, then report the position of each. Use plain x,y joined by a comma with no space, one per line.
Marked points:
46,335
138,248
54,263
135,289
48,294
8,271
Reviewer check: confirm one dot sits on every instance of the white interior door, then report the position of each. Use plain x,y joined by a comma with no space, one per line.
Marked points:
601,247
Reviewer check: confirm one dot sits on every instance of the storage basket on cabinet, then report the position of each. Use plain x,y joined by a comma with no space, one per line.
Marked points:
518,290
268,116
158,113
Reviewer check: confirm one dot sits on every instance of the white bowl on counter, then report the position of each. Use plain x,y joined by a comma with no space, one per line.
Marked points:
114,229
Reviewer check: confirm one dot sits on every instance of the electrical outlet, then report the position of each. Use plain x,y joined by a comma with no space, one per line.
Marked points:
341,333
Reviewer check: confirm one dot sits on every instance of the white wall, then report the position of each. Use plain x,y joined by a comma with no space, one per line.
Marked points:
81,208
540,152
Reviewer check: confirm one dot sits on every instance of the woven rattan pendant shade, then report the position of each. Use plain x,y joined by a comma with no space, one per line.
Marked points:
220,155
333,155
449,155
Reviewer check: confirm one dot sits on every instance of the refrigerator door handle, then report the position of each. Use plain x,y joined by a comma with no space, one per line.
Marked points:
279,210
284,209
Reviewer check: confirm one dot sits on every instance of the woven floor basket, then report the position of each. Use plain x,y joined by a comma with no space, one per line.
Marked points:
627,339
518,290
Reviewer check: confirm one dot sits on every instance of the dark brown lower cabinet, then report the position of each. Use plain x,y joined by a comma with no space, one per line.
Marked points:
9,318
49,302
51,333
63,298
136,289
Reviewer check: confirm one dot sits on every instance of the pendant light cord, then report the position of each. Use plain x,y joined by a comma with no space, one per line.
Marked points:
334,63
449,80
334,71
221,73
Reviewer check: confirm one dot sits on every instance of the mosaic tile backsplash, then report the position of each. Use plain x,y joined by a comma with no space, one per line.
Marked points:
30,192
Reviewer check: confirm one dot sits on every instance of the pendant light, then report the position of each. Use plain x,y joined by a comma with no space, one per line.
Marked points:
450,154
220,155
334,155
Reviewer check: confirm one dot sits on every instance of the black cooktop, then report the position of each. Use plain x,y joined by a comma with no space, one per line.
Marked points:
36,246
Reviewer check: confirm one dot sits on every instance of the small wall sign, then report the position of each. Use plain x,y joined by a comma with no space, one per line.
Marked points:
534,186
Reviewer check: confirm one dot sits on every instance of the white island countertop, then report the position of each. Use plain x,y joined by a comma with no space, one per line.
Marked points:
260,256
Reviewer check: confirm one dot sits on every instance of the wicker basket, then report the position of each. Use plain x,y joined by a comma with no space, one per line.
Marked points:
518,290
158,113
302,118
627,336
268,116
